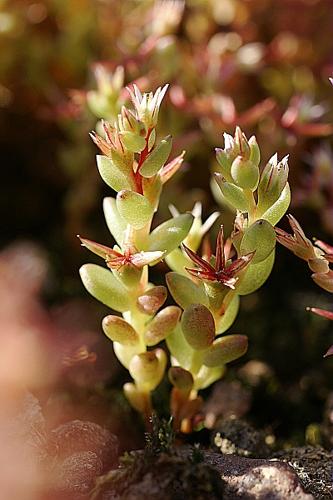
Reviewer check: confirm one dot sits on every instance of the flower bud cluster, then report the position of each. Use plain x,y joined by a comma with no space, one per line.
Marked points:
264,195
260,198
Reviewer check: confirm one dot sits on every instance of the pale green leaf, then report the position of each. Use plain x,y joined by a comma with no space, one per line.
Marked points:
135,209
102,285
275,213
223,323
115,222
156,158
185,291
113,176
225,349
170,234
255,275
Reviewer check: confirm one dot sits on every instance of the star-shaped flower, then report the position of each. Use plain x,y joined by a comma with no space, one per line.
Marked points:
117,260
224,271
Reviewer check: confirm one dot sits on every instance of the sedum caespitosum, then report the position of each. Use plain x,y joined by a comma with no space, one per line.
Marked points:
208,287
135,165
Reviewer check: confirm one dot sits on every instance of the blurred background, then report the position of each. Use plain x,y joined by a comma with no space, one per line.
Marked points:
260,64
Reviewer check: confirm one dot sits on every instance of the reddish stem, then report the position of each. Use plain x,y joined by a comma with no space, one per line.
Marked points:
143,156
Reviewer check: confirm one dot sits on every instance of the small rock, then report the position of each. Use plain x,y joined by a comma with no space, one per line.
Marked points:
257,479
78,436
75,476
314,466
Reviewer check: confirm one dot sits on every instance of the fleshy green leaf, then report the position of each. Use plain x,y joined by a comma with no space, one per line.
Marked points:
115,222
141,259
137,398
185,291
223,323
224,162
225,349
125,353
170,234
118,330
259,237
152,139
113,176
133,142
255,275
151,300
207,376
102,285
147,368
232,194
245,173
152,189
254,151
275,213
177,261
272,182
179,348
162,325
135,209
217,193
198,326
156,158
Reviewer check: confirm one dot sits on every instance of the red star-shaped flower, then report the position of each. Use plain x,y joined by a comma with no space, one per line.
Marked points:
225,271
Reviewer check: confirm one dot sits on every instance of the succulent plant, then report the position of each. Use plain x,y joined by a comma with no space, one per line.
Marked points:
205,288
210,294
134,164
